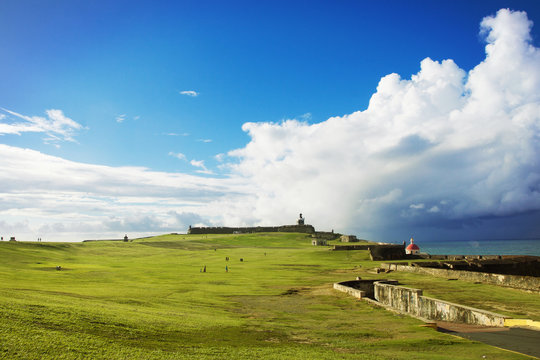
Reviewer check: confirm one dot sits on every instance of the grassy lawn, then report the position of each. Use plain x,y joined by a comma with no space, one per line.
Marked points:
149,299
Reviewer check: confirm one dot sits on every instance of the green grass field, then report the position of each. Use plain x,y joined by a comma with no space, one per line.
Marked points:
149,299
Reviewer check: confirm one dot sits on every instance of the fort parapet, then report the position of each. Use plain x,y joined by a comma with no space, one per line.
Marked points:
308,229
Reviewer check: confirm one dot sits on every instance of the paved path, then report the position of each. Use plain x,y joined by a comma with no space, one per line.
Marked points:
520,340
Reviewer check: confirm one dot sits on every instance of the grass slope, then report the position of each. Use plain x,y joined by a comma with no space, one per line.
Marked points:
148,299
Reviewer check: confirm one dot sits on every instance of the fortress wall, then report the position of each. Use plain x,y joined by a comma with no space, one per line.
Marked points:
514,281
387,252
412,302
308,229
352,247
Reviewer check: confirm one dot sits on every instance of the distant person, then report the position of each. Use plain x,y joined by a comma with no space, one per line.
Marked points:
226,268
204,269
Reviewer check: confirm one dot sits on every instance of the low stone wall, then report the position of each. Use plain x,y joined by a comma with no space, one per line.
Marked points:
360,288
412,302
514,281
359,294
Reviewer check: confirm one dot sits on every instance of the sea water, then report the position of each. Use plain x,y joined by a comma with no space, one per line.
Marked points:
481,247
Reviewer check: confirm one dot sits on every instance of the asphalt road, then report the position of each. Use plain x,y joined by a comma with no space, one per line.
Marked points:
520,340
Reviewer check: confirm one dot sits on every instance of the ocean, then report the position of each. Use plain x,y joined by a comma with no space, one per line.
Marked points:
481,247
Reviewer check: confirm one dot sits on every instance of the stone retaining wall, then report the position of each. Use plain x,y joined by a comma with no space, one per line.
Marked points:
412,302
514,281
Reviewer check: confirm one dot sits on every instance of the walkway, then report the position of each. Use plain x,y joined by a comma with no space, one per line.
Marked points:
524,341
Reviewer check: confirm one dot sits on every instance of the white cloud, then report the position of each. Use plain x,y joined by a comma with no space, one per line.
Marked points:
64,200
463,144
175,134
179,156
205,140
200,164
121,118
306,116
220,157
189,93
56,126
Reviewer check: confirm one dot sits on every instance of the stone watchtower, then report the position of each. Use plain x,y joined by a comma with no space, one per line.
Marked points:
300,220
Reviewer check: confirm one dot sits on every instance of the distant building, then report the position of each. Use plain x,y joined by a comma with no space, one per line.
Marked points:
349,238
412,248
318,242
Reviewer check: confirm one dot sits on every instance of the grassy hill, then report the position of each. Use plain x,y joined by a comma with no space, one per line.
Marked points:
149,299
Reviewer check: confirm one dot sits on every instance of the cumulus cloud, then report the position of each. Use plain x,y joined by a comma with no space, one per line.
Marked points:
56,125
189,93
61,199
444,146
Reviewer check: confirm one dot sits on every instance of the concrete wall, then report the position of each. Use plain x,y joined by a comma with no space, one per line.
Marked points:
513,281
412,302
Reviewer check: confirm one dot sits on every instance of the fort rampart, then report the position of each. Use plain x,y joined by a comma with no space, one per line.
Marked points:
514,281
412,302
308,229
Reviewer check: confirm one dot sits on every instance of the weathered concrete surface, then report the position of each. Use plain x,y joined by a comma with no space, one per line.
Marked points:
412,302
514,281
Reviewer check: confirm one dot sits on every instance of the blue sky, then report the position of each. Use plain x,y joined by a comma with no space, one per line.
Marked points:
126,72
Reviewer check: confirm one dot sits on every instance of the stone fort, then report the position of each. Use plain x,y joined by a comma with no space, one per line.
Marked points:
300,227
